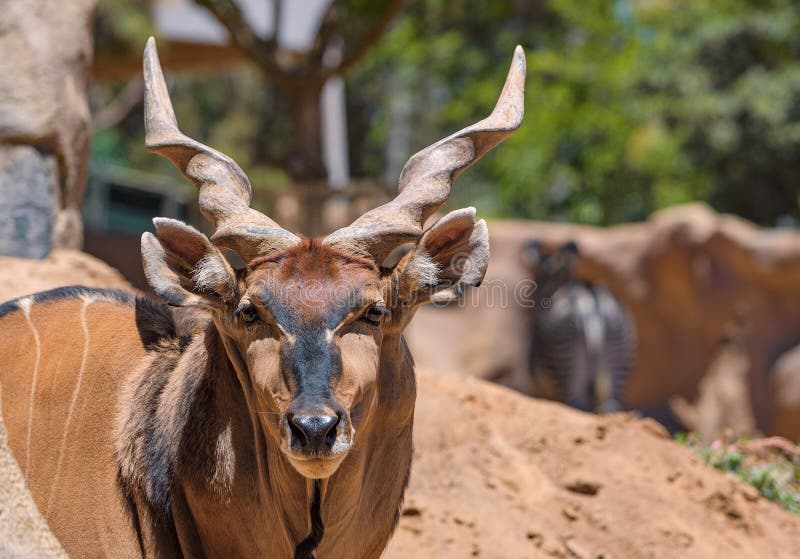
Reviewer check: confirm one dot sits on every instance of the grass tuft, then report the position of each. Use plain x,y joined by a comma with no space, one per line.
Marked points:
770,465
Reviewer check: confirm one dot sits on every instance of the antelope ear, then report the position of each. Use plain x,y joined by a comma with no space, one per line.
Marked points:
450,256
182,265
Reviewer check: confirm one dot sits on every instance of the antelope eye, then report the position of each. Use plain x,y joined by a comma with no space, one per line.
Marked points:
374,314
246,313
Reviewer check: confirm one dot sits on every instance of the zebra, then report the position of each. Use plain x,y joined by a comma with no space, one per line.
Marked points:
582,339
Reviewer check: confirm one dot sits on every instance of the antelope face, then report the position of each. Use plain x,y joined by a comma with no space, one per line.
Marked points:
306,322
310,324
304,327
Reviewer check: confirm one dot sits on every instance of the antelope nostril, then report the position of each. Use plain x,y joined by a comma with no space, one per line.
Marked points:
313,432
298,434
330,435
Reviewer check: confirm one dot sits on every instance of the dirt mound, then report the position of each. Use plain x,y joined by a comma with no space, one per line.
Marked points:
20,276
497,474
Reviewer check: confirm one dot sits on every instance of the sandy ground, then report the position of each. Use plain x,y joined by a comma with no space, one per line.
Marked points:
500,475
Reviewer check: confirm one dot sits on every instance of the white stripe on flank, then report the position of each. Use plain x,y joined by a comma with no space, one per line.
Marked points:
87,300
25,306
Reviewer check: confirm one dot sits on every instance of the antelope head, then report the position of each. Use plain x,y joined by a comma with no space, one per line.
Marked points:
304,322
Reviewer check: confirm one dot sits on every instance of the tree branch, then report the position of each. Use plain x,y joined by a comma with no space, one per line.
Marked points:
245,39
277,12
369,39
120,107
264,52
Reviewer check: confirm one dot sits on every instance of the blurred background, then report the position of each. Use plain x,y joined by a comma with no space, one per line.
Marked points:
655,172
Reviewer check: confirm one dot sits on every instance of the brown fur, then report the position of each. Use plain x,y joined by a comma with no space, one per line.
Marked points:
191,466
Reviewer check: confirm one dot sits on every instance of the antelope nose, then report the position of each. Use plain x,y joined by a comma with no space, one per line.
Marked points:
313,433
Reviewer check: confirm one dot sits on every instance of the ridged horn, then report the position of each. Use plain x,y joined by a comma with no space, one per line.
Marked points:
427,177
224,190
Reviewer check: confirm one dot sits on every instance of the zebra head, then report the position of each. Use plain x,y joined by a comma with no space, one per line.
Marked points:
552,269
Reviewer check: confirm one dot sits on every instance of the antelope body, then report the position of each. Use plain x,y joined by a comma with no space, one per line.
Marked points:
261,412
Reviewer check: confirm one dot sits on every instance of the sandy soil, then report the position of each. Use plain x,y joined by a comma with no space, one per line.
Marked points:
500,475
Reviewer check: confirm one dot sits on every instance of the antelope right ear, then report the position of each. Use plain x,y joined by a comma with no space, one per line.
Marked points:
451,255
183,267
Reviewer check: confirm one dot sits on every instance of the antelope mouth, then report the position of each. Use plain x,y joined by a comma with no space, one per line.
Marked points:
316,466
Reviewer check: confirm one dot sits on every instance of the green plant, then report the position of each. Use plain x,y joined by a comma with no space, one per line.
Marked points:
775,473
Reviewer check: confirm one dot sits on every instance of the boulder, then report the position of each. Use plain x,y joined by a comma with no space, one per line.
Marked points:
20,276
45,124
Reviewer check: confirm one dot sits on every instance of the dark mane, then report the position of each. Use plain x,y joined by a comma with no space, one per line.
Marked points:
159,323
163,434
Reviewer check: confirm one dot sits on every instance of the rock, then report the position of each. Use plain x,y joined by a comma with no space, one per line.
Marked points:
20,276
28,201
583,486
44,107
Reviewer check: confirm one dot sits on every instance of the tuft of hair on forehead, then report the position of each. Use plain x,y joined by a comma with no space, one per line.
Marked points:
317,252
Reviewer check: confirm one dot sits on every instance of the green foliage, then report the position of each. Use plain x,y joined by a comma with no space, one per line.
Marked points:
121,26
777,478
231,111
630,105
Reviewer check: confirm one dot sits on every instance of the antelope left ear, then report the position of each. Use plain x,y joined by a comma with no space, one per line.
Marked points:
182,265
450,256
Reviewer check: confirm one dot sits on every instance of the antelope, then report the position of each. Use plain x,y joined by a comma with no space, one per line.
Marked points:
264,411
582,340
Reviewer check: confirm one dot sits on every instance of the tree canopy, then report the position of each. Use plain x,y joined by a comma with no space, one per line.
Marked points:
631,105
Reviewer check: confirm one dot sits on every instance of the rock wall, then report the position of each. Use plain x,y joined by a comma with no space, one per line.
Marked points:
45,125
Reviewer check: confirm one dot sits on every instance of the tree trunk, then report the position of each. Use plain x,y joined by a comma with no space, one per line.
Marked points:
305,162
